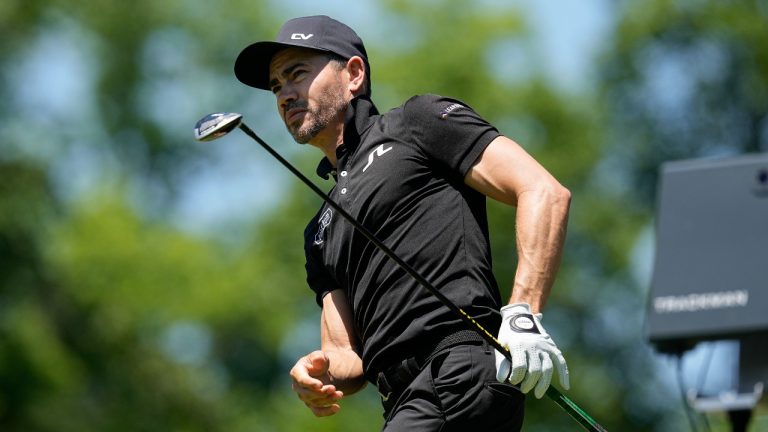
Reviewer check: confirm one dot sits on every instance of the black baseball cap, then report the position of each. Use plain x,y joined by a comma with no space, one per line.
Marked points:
317,32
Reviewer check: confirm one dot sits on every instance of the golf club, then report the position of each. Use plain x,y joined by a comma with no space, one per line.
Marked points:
216,125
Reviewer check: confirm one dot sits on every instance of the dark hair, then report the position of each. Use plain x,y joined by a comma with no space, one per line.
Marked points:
340,63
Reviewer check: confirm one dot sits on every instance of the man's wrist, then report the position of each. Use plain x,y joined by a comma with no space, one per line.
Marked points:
514,308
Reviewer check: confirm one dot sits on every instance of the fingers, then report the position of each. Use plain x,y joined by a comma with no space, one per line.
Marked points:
308,377
320,396
302,377
502,368
533,373
562,371
519,366
322,402
317,363
532,370
546,376
324,411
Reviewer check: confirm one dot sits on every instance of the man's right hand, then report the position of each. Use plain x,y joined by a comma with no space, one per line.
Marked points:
311,383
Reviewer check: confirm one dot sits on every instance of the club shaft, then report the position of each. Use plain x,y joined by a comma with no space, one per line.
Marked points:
566,404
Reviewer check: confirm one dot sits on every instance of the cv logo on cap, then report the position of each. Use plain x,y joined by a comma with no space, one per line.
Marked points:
301,36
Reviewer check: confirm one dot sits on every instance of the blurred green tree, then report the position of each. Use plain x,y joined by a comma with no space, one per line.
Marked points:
685,80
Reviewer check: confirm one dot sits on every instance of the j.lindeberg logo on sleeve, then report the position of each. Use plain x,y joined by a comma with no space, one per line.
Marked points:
449,109
378,151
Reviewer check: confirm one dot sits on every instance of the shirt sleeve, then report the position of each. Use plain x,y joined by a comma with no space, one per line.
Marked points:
318,278
448,131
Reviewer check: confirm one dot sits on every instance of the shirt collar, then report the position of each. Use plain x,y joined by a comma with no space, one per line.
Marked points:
325,169
360,116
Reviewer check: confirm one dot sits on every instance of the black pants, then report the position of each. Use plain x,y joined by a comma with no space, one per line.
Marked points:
456,391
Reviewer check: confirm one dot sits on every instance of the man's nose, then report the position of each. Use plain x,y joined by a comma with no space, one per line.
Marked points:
286,95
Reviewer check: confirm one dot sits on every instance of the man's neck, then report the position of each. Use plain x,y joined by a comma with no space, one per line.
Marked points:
330,138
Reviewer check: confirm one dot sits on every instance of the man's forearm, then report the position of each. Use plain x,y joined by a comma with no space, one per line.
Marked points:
340,343
541,222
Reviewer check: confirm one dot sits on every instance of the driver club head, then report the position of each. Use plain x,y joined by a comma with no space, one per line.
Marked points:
216,125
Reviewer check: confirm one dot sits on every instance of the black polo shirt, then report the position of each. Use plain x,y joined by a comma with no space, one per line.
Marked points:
401,175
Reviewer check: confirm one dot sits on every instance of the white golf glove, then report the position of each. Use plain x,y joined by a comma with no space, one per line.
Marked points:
533,351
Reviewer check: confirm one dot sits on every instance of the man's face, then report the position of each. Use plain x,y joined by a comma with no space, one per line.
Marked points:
310,92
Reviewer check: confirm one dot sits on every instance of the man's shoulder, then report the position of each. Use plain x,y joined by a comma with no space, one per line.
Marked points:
420,112
429,104
427,99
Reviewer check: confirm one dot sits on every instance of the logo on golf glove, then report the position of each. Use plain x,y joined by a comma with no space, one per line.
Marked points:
534,354
523,323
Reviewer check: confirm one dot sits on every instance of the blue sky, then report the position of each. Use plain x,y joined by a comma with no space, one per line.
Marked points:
567,33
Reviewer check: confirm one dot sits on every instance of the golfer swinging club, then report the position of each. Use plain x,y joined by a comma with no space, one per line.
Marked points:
417,177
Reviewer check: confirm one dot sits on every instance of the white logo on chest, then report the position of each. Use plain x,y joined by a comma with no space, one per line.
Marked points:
378,151
323,223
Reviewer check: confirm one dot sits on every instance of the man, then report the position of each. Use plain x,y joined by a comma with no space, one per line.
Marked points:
417,177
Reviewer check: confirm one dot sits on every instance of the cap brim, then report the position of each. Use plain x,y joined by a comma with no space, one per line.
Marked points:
252,64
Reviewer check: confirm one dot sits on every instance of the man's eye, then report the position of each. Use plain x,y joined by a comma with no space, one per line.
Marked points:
275,89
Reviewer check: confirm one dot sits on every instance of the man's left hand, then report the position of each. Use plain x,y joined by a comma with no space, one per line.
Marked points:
533,351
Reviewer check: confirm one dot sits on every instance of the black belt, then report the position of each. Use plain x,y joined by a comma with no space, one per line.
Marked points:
393,380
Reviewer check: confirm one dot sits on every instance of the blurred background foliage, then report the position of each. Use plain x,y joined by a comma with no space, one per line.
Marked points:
152,283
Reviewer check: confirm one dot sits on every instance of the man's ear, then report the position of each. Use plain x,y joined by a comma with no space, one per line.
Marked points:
356,70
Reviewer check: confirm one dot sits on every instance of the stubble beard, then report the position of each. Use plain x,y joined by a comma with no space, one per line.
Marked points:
330,104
